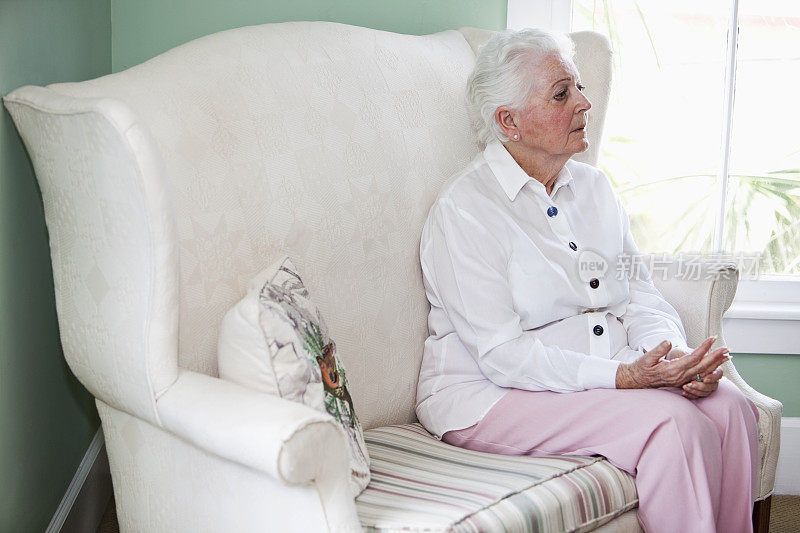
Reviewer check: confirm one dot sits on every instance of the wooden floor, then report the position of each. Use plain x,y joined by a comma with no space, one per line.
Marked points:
784,516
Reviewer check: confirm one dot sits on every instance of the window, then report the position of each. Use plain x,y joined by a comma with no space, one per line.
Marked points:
701,137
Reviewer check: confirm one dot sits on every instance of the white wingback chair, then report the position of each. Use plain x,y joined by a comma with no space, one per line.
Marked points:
169,185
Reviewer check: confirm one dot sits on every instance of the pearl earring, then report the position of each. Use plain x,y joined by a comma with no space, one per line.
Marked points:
516,137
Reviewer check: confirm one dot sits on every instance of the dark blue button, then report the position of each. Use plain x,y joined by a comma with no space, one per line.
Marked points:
598,330
573,245
594,283
552,211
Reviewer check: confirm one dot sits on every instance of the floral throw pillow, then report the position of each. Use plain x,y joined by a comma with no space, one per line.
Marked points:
275,340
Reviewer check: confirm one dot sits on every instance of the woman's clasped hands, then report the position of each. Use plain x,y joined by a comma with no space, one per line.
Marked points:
676,369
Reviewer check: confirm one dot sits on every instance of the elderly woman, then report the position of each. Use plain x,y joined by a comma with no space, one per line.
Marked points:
529,356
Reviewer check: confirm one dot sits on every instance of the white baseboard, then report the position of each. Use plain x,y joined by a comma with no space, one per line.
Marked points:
787,477
88,494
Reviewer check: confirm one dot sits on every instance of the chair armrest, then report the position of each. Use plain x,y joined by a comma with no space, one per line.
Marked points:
769,430
701,292
282,438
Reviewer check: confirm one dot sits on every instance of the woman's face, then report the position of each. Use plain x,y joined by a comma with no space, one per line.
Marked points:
554,119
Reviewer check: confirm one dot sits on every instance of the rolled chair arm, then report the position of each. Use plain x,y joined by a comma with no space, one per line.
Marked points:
287,440
701,290
770,412
275,436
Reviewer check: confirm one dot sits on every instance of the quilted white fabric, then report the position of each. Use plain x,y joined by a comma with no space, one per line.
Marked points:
324,141
111,242
276,341
166,483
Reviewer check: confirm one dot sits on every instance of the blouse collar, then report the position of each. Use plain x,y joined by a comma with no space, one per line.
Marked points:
511,176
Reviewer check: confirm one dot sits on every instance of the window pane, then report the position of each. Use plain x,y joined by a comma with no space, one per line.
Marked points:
763,207
661,144
762,215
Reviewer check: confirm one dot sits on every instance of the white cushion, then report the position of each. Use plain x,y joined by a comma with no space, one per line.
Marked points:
275,340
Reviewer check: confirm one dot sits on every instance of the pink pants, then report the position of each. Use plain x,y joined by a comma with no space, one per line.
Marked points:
695,461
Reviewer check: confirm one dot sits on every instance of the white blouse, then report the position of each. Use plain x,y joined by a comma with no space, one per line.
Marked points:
517,291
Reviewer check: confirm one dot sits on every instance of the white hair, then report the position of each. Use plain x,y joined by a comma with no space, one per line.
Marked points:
504,74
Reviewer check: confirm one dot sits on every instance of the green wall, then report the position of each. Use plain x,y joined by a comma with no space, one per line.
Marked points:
47,419
777,376
145,28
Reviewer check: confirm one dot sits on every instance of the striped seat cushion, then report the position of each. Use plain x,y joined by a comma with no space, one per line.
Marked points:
422,484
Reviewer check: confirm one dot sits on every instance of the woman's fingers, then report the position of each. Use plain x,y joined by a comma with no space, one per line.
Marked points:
683,369
711,361
690,360
675,353
679,371
701,350
652,357
696,389
691,365
714,376
700,389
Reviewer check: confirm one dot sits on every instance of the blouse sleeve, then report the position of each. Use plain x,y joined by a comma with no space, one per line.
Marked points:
465,273
649,319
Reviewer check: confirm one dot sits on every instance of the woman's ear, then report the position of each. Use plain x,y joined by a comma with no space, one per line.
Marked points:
505,119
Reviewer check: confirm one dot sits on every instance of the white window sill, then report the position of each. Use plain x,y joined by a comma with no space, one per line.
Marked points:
764,317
